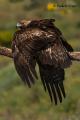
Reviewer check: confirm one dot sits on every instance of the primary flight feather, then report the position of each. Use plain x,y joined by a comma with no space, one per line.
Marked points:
41,42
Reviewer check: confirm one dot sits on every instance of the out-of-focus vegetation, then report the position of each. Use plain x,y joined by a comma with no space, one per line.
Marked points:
18,102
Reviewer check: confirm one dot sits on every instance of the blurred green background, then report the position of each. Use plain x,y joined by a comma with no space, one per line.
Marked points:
17,101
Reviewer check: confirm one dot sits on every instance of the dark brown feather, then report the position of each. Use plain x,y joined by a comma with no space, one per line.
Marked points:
66,45
53,81
41,42
25,66
56,55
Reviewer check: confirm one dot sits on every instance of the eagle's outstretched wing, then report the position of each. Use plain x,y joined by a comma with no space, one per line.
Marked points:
25,65
52,62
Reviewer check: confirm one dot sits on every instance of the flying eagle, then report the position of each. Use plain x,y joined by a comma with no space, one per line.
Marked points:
41,42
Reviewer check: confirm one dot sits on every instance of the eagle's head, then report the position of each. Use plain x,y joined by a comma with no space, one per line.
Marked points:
40,23
23,24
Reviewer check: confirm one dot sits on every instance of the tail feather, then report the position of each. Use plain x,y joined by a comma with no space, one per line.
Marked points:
58,92
49,91
62,89
54,93
52,79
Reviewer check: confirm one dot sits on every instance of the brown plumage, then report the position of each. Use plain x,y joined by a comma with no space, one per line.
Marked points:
39,41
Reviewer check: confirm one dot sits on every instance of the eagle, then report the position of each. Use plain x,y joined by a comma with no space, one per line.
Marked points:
41,42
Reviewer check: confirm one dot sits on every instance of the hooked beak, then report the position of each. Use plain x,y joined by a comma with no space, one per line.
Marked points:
18,25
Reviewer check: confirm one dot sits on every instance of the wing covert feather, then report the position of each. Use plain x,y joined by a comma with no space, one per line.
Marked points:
56,55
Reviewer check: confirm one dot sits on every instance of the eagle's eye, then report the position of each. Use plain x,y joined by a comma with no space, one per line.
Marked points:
26,23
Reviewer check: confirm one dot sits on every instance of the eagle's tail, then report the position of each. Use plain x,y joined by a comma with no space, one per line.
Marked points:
52,79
